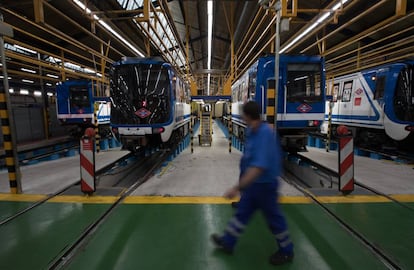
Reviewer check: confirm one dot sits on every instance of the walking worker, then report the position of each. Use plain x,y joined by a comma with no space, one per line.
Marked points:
260,167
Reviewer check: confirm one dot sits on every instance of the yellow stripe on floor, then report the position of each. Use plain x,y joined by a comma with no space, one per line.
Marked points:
22,197
84,199
199,200
405,198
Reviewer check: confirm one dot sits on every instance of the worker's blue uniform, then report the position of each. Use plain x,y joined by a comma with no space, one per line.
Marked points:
263,151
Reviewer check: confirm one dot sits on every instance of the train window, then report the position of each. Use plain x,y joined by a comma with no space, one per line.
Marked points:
301,82
347,91
252,85
79,97
379,87
135,86
335,92
404,96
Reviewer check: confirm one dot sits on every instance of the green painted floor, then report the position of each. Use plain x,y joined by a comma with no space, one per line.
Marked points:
34,239
177,237
171,236
8,209
388,225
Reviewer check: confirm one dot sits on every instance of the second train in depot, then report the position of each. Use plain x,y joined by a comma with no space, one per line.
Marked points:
301,97
150,103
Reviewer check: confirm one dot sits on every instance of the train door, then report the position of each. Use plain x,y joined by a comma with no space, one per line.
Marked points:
346,98
345,104
335,100
380,82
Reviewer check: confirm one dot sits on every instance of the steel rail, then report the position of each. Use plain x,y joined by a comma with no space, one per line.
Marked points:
380,254
53,195
71,251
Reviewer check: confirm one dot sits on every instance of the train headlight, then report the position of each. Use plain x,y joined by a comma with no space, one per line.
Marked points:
158,130
409,128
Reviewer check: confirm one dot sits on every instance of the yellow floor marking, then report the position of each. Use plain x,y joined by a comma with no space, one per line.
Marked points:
197,200
21,197
403,197
352,199
165,169
83,199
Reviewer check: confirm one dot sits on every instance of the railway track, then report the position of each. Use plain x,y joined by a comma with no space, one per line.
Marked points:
43,152
133,180
297,180
390,153
332,175
99,173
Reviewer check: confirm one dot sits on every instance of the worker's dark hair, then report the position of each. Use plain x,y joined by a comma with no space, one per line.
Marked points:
252,110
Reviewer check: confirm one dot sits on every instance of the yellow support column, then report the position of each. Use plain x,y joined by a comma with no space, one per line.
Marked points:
230,127
6,118
270,98
95,119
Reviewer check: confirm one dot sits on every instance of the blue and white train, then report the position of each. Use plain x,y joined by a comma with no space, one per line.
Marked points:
150,103
301,97
75,105
376,104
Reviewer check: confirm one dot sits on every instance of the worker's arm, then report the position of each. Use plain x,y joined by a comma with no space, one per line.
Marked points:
251,174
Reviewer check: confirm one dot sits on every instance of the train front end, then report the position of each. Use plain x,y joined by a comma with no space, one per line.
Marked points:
301,96
142,113
399,96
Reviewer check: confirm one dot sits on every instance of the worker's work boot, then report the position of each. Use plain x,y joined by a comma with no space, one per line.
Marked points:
219,243
279,258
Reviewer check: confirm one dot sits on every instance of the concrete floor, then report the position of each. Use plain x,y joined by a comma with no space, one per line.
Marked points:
51,176
209,171
386,176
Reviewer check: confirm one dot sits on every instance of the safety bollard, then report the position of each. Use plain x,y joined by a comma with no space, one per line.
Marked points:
345,160
87,162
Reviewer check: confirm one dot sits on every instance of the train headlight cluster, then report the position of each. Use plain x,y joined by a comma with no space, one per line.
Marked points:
158,130
313,123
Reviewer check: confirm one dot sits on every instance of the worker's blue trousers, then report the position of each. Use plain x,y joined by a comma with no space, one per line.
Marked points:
261,196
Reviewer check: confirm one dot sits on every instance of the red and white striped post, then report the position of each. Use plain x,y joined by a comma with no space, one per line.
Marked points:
346,161
87,162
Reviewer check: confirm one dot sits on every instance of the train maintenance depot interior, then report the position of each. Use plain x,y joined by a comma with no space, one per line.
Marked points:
134,132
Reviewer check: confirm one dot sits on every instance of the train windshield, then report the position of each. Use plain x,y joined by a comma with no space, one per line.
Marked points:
140,93
304,83
404,95
79,97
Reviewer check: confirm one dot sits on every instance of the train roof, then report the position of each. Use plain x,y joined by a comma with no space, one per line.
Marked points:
141,60
292,58
373,69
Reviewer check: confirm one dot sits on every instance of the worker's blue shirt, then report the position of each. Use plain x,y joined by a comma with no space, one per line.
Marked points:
262,150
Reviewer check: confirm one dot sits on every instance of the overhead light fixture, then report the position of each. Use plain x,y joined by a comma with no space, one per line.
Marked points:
28,70
11,90
2,77
52,76
27,81
37,93
98,74
209,40
25,49
48,84
49,94
338,5
88,70
24,92
108,27
320,20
